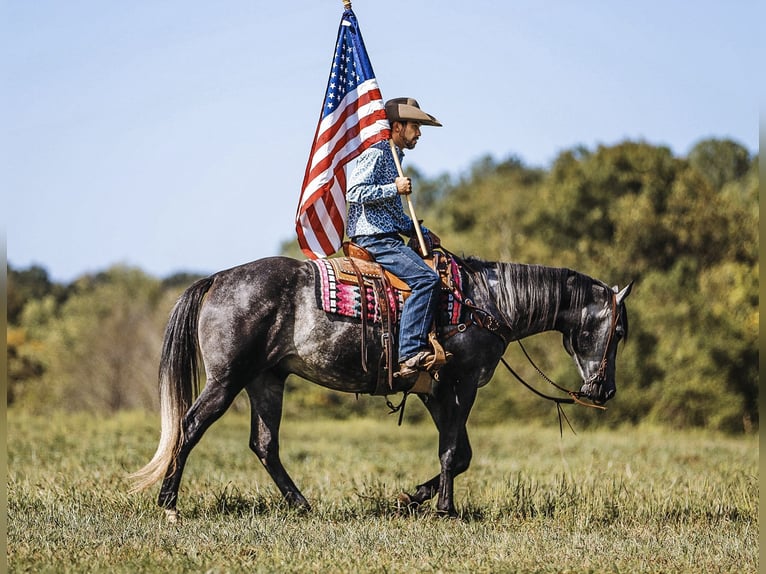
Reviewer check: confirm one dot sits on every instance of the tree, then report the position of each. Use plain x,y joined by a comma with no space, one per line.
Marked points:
26,285
98,350
720,161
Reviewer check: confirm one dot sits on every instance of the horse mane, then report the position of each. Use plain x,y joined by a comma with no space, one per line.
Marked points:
535,291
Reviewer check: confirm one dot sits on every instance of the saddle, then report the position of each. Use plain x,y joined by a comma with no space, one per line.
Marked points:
358,267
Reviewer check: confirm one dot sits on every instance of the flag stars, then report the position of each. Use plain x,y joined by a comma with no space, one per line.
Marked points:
347,72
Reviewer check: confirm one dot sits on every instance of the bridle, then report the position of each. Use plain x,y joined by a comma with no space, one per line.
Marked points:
601,372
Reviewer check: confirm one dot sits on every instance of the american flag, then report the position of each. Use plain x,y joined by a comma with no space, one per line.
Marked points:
353,118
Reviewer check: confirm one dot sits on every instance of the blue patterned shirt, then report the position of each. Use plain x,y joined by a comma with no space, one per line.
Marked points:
374,206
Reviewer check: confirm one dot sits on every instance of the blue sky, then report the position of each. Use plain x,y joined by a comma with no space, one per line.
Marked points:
173,135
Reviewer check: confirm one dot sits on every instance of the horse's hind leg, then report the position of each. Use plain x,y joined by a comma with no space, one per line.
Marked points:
266,394
212,402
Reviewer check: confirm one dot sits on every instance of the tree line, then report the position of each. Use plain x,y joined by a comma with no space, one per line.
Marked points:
685,229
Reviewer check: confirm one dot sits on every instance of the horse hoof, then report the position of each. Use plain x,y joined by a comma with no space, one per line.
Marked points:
172,516
448,514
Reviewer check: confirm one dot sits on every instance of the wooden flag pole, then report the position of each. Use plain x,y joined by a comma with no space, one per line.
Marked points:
415,222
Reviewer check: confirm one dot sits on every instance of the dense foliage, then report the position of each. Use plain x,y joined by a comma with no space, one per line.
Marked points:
685,229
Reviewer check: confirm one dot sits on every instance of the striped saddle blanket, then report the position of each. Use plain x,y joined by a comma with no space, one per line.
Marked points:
343,298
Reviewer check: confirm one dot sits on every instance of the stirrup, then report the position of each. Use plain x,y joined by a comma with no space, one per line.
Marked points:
440,356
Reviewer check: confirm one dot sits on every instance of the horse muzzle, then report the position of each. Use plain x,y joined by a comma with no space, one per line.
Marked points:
598,391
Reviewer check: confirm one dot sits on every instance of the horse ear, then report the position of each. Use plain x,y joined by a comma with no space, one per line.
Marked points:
621,295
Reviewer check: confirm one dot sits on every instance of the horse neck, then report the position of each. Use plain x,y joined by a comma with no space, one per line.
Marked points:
530,299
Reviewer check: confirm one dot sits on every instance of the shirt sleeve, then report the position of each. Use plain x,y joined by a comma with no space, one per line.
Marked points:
365,185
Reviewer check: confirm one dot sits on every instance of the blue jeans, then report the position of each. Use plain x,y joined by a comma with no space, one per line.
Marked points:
419,308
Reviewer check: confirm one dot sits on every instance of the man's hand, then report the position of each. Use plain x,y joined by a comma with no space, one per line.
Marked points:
403,185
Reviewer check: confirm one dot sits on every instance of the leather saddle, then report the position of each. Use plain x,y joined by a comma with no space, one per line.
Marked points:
359,261
358,267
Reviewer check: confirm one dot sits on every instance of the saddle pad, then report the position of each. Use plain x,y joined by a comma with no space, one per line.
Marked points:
344,299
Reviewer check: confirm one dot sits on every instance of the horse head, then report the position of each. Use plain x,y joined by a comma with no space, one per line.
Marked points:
592,343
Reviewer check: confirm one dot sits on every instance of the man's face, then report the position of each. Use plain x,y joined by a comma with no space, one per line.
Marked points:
409,133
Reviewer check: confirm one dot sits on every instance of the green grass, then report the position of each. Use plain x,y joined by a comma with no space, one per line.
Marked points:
632,500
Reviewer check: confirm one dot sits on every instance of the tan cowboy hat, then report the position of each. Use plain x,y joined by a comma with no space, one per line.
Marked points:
408,110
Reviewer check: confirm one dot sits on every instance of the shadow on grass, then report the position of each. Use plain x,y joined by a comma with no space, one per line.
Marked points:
374,501
230,501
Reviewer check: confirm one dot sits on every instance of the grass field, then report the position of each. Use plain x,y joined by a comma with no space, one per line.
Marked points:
633,500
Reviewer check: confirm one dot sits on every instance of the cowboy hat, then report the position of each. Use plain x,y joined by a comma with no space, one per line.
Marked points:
408,110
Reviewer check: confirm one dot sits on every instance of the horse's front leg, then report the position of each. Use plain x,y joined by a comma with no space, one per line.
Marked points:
459,460
449,410
455,457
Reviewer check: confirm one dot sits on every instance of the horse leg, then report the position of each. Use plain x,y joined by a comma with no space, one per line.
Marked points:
458,459
266,394
454,461
455,457
214,400
449,411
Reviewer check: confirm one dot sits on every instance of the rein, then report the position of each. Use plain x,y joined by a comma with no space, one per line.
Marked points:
558,400
574,396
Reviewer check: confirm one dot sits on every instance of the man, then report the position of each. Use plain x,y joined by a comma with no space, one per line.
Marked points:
376,221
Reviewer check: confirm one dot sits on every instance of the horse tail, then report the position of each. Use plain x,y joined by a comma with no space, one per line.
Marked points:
178,382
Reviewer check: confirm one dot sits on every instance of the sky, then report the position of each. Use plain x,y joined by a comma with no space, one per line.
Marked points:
172,135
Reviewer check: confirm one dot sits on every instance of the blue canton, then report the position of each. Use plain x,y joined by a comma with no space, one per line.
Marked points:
374,206
350,66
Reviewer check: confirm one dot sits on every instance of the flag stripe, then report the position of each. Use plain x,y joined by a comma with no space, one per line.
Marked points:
321,182
359,108
358,104
338,142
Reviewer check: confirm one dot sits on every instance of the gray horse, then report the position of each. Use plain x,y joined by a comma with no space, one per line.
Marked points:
255,324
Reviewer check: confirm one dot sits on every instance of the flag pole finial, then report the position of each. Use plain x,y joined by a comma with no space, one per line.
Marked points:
347,4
